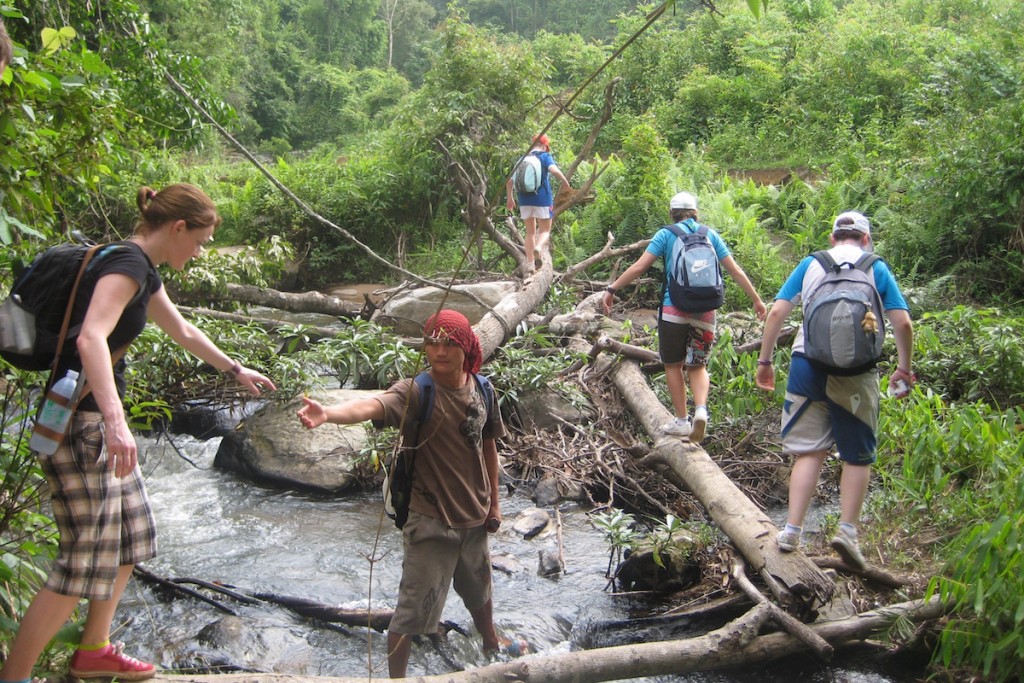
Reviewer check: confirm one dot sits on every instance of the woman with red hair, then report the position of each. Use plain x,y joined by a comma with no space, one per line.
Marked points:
537,208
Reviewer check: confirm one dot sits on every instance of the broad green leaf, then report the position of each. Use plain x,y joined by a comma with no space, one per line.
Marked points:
51,40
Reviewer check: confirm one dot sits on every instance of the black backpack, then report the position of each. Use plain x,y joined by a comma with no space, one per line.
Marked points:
397,488
693,274
844,325
35,318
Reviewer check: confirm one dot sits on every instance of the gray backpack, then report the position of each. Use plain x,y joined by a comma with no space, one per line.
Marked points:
844,325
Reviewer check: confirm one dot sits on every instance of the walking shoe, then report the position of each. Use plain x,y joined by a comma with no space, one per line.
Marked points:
700,424
508,649
677,427
110,662
848,549
789,541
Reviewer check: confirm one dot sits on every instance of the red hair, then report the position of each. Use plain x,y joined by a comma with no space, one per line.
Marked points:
542,139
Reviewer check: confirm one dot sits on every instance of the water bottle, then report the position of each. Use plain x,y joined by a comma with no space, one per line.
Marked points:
899,389
52,422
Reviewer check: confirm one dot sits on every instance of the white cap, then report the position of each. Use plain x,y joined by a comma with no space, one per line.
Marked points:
683,200
851,220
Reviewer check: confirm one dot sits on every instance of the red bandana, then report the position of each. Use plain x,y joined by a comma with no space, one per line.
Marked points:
448,324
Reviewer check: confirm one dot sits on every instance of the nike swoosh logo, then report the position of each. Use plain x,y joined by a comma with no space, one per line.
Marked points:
699,266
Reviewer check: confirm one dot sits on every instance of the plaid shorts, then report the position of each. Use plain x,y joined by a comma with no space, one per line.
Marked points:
437,556
104,522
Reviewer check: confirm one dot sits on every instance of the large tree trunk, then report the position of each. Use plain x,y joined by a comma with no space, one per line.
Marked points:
789,575
300,302
734,645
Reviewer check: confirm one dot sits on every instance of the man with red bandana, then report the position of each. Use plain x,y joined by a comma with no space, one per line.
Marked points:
455,485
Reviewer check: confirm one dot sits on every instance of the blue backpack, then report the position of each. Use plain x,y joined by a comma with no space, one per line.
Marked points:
397,488
692,272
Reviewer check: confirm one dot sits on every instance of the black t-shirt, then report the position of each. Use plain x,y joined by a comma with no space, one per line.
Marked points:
128,259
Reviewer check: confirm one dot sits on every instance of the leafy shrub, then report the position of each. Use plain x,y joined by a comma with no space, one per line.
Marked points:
968,354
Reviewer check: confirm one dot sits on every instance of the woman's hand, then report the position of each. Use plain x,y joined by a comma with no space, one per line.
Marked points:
606,302
122,451
254,381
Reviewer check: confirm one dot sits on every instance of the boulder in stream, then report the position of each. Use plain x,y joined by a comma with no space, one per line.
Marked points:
273,447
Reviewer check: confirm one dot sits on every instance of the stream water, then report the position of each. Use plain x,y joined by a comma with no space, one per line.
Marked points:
217,527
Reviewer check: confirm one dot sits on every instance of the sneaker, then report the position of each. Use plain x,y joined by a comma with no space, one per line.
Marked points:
849,550
508,649
789,541
112,664
516,647
700,424
677,427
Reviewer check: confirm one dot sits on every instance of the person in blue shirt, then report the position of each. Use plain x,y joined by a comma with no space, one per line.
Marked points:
825,409
685,335
537,208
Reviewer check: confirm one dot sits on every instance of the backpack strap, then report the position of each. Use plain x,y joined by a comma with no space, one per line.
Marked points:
867,261
680,234
487,389
826,261
70,308
676,230
425,383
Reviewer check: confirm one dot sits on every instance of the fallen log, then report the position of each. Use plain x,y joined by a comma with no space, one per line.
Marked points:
794,580
734,645
376,619
268,324
787,621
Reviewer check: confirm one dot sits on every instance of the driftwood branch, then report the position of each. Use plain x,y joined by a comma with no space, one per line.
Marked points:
801,632
305,208
786,336
376,619
146,575
595,130
606,252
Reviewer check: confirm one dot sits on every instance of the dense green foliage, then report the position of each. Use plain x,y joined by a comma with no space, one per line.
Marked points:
909,110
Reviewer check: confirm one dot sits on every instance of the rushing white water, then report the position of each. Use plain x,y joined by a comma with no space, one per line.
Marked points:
217,527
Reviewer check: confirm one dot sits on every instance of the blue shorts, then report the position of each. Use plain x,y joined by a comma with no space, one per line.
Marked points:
822,411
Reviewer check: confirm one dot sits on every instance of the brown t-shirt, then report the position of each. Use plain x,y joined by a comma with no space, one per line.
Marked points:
450,480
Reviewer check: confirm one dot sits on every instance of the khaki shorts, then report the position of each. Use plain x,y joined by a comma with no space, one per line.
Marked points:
436,557
104,522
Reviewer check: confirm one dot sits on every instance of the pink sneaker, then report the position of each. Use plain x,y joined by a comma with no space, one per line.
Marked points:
113,663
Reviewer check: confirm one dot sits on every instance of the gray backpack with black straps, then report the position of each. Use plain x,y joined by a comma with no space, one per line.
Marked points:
844,325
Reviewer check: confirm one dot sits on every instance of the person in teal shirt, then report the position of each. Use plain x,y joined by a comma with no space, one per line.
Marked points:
826,409
685,336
